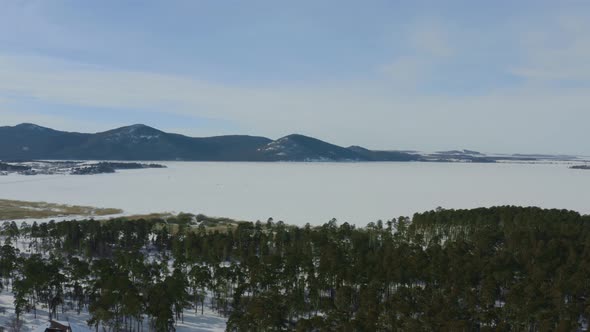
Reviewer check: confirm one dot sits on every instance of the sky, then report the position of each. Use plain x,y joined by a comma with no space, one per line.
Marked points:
494,76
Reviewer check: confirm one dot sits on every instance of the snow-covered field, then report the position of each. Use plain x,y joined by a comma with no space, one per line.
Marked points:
298,193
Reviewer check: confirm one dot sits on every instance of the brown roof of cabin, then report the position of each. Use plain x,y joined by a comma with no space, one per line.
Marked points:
57,327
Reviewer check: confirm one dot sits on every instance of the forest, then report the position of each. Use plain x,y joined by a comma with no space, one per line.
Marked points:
488,269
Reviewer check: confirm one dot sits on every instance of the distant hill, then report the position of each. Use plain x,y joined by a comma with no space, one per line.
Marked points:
377,155
139,142
29,141
303,148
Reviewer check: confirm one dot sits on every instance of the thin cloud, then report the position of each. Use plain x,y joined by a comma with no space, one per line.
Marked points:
427,46
362,113
559,52
430,38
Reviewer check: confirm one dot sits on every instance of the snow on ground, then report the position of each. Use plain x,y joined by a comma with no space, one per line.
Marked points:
201,323
208,322
193,321
30,323
30,221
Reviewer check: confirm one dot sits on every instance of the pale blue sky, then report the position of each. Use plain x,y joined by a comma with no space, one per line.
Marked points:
496,76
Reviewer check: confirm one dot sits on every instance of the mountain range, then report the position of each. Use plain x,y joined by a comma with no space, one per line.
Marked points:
140,142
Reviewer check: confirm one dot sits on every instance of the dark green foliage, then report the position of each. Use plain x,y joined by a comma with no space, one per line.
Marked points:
497,269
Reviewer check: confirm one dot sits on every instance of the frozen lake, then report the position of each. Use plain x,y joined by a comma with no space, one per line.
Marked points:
298,193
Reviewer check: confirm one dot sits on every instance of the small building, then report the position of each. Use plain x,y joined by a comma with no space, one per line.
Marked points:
55,326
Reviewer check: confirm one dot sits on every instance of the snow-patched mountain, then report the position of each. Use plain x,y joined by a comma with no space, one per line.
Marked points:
140,142
135,133
303,148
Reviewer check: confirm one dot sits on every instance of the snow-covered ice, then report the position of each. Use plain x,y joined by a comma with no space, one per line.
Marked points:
298,193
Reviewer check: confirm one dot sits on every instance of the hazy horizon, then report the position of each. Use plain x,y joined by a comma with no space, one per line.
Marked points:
320,138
